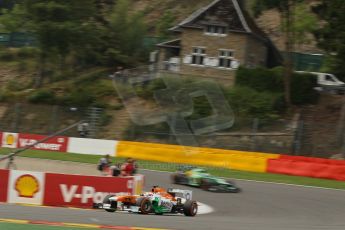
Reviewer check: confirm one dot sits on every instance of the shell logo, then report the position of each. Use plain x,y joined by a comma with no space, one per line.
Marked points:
10,139
27,186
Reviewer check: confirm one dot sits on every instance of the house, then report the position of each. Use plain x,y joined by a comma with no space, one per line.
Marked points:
214,41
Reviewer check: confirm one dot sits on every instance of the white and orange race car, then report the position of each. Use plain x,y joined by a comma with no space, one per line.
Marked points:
158,201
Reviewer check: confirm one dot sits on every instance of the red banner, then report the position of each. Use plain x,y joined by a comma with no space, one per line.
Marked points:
58,143
82,191
4,176
312,160
307,169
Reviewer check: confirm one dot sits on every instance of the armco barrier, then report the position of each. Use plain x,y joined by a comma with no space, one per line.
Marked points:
255,162
62,189
307,169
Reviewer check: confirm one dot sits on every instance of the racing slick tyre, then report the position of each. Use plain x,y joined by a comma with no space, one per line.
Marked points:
206,184
144,204
234,188
190,208
113,204
178,178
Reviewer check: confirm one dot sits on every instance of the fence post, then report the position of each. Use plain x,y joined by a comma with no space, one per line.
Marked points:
255,128
16,119
297,142
54,119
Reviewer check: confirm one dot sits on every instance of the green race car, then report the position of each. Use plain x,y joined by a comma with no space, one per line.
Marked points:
199,177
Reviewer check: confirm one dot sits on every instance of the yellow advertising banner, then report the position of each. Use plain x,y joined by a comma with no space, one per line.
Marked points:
238,160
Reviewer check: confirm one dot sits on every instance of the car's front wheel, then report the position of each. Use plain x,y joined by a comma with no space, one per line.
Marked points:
144,204
113,204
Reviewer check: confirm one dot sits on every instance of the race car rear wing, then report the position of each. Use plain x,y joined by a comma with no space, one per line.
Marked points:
186,194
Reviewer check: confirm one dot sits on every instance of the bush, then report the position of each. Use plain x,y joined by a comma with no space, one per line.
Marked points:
78,97
302,89
260,79
271,80
42,96
27,52
7,55
247,101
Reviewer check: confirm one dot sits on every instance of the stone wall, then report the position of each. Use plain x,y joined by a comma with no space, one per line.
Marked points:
242,45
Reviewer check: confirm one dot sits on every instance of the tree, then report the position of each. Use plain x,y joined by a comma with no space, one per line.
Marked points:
57,25
332,36
286,8
126,34
165,22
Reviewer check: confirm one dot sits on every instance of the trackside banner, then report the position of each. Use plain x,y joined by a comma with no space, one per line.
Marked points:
4,176
58,143
25,187
9,140
83,191
62,189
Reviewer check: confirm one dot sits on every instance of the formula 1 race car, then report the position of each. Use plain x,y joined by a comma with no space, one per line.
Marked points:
199,177
158,201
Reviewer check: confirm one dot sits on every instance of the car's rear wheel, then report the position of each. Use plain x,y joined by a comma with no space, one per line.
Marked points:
190,208
233,188
206,184
178,179
113,204
144,204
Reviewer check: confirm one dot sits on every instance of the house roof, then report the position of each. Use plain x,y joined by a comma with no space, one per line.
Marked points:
176,43
218,12
229,13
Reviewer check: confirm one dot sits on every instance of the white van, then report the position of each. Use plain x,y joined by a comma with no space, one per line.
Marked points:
327,82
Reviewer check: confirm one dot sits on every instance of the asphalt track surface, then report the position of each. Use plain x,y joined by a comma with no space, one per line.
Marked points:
261,206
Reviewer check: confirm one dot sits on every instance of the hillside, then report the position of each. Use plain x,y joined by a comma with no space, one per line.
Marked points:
269,21
67,93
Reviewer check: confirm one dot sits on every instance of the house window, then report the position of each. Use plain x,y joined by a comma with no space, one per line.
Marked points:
215,30
226,57
198,56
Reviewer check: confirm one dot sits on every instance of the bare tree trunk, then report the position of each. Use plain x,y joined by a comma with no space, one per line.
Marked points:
42,70
289,43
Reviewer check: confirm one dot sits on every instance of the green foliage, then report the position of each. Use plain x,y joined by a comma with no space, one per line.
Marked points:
8,54
332,36
201,108
127,33
12,54
105,119
304,23
78,97
260,79
165,22
261,5
271,80
302,87
250,102
27,52
42,97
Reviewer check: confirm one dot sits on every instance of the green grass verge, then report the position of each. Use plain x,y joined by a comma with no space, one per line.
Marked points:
154,165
